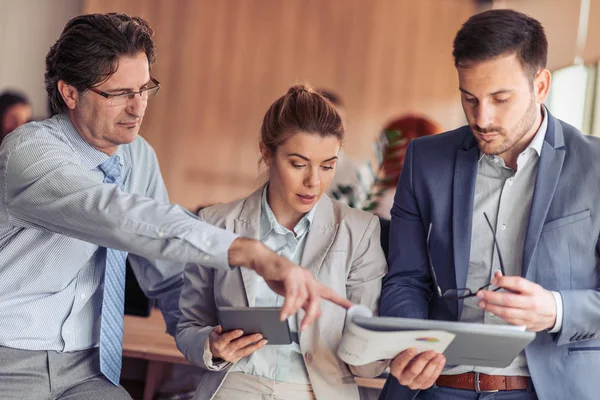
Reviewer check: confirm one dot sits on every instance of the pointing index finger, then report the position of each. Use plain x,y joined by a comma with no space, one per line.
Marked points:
331,295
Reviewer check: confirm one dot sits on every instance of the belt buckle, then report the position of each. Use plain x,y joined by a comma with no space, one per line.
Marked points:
478,388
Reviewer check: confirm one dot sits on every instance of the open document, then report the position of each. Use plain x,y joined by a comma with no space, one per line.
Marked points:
361,345
367,338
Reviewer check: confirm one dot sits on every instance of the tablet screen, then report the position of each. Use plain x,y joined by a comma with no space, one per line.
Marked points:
263,320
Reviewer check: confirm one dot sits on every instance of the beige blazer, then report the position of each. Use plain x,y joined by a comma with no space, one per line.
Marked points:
342,250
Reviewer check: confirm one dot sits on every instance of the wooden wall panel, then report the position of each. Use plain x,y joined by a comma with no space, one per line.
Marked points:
222,63
591,53
560,19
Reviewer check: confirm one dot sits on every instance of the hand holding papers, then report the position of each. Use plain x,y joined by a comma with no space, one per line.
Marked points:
361,344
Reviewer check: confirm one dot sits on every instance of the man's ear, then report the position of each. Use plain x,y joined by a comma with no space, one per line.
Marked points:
541,85
265,154
69,94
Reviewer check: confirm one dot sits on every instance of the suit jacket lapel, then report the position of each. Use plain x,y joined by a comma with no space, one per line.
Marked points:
320,238
549,169
463,194
318,242
248,225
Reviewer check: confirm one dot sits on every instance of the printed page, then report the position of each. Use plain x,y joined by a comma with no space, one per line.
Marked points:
361,346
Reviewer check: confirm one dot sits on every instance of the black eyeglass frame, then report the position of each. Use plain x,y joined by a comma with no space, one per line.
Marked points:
452,294
109,96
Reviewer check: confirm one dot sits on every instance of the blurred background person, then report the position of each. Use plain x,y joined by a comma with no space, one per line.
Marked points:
397,134
349,184
15,110
337,102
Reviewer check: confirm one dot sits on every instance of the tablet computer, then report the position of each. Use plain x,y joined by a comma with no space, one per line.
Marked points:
263,320
481,345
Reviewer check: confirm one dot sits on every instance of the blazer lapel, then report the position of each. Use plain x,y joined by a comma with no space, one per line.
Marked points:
549,169
318,242
320,238
463,194
248,225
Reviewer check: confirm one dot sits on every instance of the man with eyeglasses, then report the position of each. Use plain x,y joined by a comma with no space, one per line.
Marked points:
82,191
498,222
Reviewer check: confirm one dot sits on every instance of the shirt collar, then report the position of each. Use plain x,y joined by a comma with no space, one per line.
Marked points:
90,156
268,221
540,135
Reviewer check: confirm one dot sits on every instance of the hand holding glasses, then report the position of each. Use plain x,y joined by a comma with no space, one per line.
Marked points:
462,293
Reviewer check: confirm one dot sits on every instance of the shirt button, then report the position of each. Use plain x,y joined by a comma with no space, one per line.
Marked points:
308,357
510,182
83,295
207,257
67,332
161,234
209,242
503,227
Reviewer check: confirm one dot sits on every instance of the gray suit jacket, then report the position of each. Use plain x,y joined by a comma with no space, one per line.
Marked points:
342,251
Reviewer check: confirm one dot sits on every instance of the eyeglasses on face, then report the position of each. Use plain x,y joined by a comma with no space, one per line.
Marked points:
461,293
121,99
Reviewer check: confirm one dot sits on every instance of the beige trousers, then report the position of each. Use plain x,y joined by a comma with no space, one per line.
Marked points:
240,386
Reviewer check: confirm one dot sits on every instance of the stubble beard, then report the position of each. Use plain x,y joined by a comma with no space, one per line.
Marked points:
524,126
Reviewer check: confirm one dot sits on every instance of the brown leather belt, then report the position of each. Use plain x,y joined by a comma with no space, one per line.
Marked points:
483,383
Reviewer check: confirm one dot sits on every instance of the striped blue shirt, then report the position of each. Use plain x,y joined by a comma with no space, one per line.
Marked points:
55,212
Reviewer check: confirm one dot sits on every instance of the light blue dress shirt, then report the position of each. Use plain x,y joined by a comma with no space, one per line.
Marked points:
55,212
279,363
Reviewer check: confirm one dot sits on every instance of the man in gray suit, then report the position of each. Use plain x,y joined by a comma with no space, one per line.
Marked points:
515,191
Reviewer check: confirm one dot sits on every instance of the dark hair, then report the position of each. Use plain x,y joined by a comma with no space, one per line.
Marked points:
300,109
7,100
333,97
496,32
88,51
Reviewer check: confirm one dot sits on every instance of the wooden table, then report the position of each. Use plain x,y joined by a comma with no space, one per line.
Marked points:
145,338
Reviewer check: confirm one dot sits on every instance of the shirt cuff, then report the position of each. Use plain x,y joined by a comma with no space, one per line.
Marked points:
214,244
559,312
210,362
